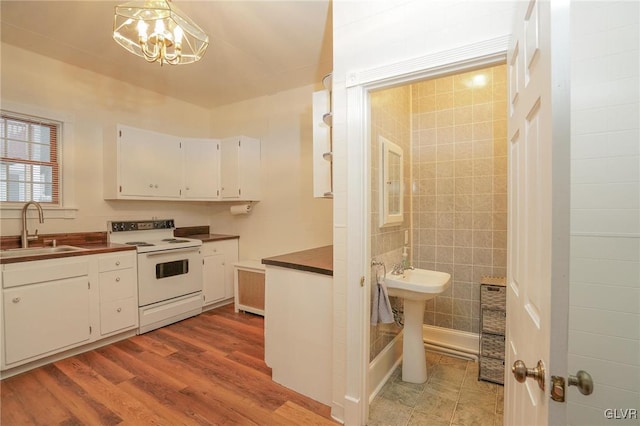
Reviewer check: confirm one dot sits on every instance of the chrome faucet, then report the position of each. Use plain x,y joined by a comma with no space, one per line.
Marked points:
25,234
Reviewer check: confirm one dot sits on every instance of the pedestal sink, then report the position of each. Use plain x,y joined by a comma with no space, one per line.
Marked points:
415,286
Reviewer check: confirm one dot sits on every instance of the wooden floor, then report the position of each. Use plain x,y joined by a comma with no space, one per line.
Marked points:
204,370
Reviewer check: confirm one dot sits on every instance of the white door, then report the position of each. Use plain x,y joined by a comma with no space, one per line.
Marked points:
538,133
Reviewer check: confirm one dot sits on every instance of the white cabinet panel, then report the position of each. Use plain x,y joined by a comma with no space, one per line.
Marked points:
201,158
44,317
240,168
149,164
214,279
219,257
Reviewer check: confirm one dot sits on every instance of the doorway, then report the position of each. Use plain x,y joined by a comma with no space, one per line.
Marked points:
452,128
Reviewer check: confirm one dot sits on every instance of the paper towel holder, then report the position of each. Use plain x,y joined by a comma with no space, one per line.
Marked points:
241,209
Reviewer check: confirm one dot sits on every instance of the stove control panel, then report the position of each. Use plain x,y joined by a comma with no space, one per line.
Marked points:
141,225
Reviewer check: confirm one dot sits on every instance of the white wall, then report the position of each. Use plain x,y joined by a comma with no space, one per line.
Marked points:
95,104
372,34
288,218
604,326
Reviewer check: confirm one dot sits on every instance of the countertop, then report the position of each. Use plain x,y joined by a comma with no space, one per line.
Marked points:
318,260
92,242
201,233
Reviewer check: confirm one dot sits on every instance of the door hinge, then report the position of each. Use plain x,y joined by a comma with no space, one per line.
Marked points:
90,330
88,285
362,281
120,133
239,191
180,144
120,187
239,142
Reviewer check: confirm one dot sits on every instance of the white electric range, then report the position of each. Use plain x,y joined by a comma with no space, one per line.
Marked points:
169,271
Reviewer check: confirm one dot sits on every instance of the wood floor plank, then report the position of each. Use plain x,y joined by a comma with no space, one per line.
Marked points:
105,367
301,416
132,363
150,344
85,408
43,406
107,393
207,370
12,412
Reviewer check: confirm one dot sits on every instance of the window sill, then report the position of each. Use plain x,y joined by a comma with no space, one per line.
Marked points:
15,212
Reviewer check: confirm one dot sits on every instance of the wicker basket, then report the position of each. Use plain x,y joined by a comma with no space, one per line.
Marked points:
493,321
492,346
493,296
492,370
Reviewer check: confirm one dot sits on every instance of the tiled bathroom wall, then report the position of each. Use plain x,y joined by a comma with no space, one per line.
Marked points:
390,118
459,188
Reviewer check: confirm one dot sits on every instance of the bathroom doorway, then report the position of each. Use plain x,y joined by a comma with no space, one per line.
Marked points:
452,129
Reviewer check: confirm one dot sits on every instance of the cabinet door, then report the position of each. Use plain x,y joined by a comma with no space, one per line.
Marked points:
149,164
229,168
231,257
214,278
41,318
201,169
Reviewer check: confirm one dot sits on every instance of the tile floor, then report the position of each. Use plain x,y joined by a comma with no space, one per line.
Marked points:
452,396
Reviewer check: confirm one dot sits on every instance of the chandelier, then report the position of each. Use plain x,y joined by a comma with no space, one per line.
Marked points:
159,32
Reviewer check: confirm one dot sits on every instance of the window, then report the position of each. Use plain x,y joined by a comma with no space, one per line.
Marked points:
29,160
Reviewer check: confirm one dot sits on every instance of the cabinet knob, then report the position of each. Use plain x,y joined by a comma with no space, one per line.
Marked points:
187,188
16,300
117,263
119,310
150,185
117,279
155,186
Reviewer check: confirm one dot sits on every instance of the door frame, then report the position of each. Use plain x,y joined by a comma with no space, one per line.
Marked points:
358,85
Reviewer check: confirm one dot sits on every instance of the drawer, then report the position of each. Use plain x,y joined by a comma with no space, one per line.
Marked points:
118,284
492,345
493,296
118,315
493,321
218,247
23,273
117,261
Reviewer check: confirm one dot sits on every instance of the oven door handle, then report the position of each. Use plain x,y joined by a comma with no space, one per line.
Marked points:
172,251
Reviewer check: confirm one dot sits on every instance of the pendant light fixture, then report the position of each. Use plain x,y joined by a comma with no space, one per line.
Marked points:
159,32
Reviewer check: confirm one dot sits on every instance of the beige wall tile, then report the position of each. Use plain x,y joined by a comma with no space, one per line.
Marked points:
461,188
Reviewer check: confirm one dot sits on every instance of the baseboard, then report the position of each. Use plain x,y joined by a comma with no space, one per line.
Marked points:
381,368
451,342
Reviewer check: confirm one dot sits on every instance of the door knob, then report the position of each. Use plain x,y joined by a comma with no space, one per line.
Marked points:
521,372
583,381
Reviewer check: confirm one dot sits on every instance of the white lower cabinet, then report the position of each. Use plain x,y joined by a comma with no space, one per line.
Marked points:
45,308
118,288
218,260
51,306
44,317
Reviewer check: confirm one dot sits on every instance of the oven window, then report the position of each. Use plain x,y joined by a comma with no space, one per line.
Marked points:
171,269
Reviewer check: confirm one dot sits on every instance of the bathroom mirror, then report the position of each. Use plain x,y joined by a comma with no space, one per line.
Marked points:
391,209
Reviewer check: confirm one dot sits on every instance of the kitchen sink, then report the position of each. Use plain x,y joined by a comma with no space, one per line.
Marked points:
37,251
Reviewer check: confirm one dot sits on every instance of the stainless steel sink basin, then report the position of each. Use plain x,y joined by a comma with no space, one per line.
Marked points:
37,251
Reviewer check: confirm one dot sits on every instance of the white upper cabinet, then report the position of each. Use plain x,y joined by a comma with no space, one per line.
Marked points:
146,165
149,164
240,168
201,159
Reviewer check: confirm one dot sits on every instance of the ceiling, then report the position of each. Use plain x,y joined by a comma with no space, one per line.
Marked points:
256,48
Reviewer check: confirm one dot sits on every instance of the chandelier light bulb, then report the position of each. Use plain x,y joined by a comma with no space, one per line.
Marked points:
158,31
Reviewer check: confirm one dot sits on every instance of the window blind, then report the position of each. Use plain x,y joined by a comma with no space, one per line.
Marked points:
29,166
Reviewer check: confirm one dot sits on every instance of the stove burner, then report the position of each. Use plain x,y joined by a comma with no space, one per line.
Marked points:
174,240
139,244
169,239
